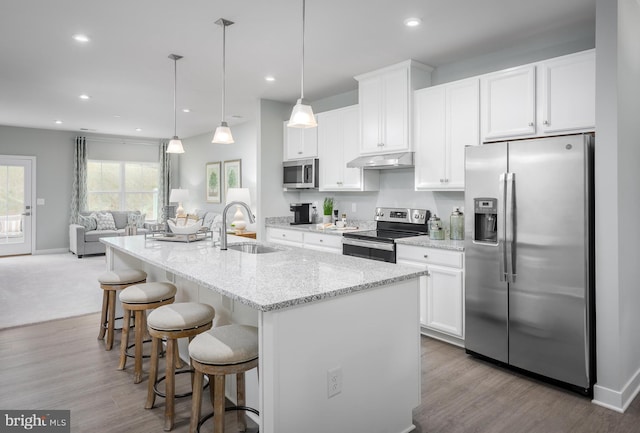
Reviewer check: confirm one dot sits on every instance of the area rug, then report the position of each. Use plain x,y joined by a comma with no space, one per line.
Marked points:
45,287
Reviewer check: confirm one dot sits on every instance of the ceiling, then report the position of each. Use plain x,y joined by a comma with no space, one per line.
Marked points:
126,70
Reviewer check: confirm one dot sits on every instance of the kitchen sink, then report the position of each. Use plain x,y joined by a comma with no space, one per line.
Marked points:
252,248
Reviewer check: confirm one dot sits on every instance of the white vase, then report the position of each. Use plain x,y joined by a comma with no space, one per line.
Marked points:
326,219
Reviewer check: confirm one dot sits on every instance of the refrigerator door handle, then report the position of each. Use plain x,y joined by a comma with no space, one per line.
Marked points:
501,226
510,227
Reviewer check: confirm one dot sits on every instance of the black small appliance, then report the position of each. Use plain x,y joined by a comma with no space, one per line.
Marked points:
301,214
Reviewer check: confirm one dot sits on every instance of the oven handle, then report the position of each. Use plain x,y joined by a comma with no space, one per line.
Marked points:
369,244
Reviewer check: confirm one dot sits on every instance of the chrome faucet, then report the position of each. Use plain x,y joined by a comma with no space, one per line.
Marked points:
223,229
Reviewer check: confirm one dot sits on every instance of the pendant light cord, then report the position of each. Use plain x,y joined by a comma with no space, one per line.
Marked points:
175,86
302,74
224,73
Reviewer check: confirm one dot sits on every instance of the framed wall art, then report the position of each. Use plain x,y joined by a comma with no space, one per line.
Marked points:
213,182
232,174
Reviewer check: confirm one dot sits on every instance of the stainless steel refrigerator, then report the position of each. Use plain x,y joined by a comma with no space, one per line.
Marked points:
529,297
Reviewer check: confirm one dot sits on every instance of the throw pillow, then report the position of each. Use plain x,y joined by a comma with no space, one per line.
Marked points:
89,222
136,219
105,221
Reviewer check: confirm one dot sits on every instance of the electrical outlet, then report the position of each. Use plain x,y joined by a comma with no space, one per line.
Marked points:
334,381
353,207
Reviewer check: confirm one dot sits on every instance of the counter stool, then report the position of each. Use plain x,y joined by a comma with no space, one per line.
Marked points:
230,349
173,321
110,282
137,299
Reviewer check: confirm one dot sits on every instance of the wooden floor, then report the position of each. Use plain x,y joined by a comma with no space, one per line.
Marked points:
61,365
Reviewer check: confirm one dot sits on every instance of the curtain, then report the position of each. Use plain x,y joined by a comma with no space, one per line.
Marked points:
79,187
164,183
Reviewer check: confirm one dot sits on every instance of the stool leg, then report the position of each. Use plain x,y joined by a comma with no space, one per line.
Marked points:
242,423
196,401
112,319
170,390
124,339
138,352
153,372
218,404
103,316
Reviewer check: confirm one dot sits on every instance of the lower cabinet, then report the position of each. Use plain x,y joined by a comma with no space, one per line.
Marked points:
312,241
441,290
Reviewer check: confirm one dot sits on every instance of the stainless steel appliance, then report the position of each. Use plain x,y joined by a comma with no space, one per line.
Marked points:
301,213
529,295
301,174
391,224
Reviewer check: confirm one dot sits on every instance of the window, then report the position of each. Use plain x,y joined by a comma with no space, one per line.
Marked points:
122,185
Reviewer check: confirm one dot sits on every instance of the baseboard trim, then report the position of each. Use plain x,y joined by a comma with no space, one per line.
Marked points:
51,251
618,401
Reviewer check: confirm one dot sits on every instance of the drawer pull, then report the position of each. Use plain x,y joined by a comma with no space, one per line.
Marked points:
426,256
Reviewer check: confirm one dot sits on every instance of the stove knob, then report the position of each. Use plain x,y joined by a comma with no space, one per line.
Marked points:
381,214
416,216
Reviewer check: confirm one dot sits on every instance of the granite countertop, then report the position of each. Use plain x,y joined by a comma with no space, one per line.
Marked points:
424,241
266,282
285,223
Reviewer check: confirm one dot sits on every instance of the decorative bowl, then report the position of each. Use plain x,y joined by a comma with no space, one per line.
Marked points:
191,227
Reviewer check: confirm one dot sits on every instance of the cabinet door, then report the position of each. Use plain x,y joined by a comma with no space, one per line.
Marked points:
430,137
370,98
329,151
352,177
567,93
395,126
444,300
300,143
509,103
463,128
285,237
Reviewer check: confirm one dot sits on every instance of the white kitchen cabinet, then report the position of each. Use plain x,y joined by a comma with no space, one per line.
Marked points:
551,97
447,119
338,143
285,237
441,291
566,91
323,242
385,100
299,143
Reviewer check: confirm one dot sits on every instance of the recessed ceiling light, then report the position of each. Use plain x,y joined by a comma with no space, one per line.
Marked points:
186,110
269,78
138,129
117,116
85,97
58,122
412,22
81,38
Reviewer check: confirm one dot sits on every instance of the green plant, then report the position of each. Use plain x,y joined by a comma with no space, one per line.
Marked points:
327,206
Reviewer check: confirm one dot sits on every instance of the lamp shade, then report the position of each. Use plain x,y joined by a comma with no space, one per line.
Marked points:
178,195
223,134
239,194
175,146
302,116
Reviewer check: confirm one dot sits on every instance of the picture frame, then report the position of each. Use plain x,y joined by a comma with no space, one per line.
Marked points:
232,174
213,182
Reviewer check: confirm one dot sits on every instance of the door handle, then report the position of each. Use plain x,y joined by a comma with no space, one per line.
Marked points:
510,227
27,214
501,226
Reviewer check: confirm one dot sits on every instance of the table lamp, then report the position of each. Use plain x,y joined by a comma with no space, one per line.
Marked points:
243,195
178,196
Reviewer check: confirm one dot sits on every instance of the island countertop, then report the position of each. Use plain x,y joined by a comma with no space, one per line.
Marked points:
265,282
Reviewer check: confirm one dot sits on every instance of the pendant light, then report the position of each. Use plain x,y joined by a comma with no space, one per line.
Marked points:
223,132
302,114
175,145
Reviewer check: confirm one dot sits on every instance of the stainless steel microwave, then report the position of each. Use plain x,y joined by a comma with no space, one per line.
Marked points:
300,174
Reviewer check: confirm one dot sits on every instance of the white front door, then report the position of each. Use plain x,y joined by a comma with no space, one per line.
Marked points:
15,205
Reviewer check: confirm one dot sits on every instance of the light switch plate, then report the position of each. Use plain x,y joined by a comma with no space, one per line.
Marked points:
40,201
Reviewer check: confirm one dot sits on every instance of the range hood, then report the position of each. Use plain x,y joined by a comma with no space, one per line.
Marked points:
384,161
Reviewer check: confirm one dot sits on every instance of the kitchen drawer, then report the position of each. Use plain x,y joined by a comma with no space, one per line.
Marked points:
430,256
312,240
282,235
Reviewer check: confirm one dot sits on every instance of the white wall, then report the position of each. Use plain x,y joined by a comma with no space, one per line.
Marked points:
617,202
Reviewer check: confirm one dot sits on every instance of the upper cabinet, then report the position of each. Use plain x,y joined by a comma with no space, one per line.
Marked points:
385,100
338,143
550,97
447,120
299,143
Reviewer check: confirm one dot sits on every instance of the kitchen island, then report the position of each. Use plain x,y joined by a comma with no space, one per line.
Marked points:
339,336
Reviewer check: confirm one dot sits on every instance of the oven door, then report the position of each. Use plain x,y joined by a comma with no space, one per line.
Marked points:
369,249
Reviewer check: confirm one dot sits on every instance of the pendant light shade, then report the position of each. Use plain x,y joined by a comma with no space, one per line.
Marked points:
302,114
175,145
223,132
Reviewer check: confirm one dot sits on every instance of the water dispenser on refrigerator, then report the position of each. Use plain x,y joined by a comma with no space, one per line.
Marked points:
485,212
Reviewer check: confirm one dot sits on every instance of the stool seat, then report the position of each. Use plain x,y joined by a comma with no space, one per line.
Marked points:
122,276
181,316
147,293
230,344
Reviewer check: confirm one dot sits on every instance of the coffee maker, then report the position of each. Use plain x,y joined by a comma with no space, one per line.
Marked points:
301,214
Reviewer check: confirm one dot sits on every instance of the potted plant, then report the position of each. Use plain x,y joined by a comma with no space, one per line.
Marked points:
327,209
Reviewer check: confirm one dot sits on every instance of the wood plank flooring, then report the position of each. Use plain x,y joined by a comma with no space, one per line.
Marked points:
61,365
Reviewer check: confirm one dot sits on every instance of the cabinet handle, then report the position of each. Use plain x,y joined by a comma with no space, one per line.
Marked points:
300,153
321,240
283,235
426,256
380,144
441,180
428,274
546,122
530,123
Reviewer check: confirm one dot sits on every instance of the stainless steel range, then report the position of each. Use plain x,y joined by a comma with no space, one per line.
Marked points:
391,224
